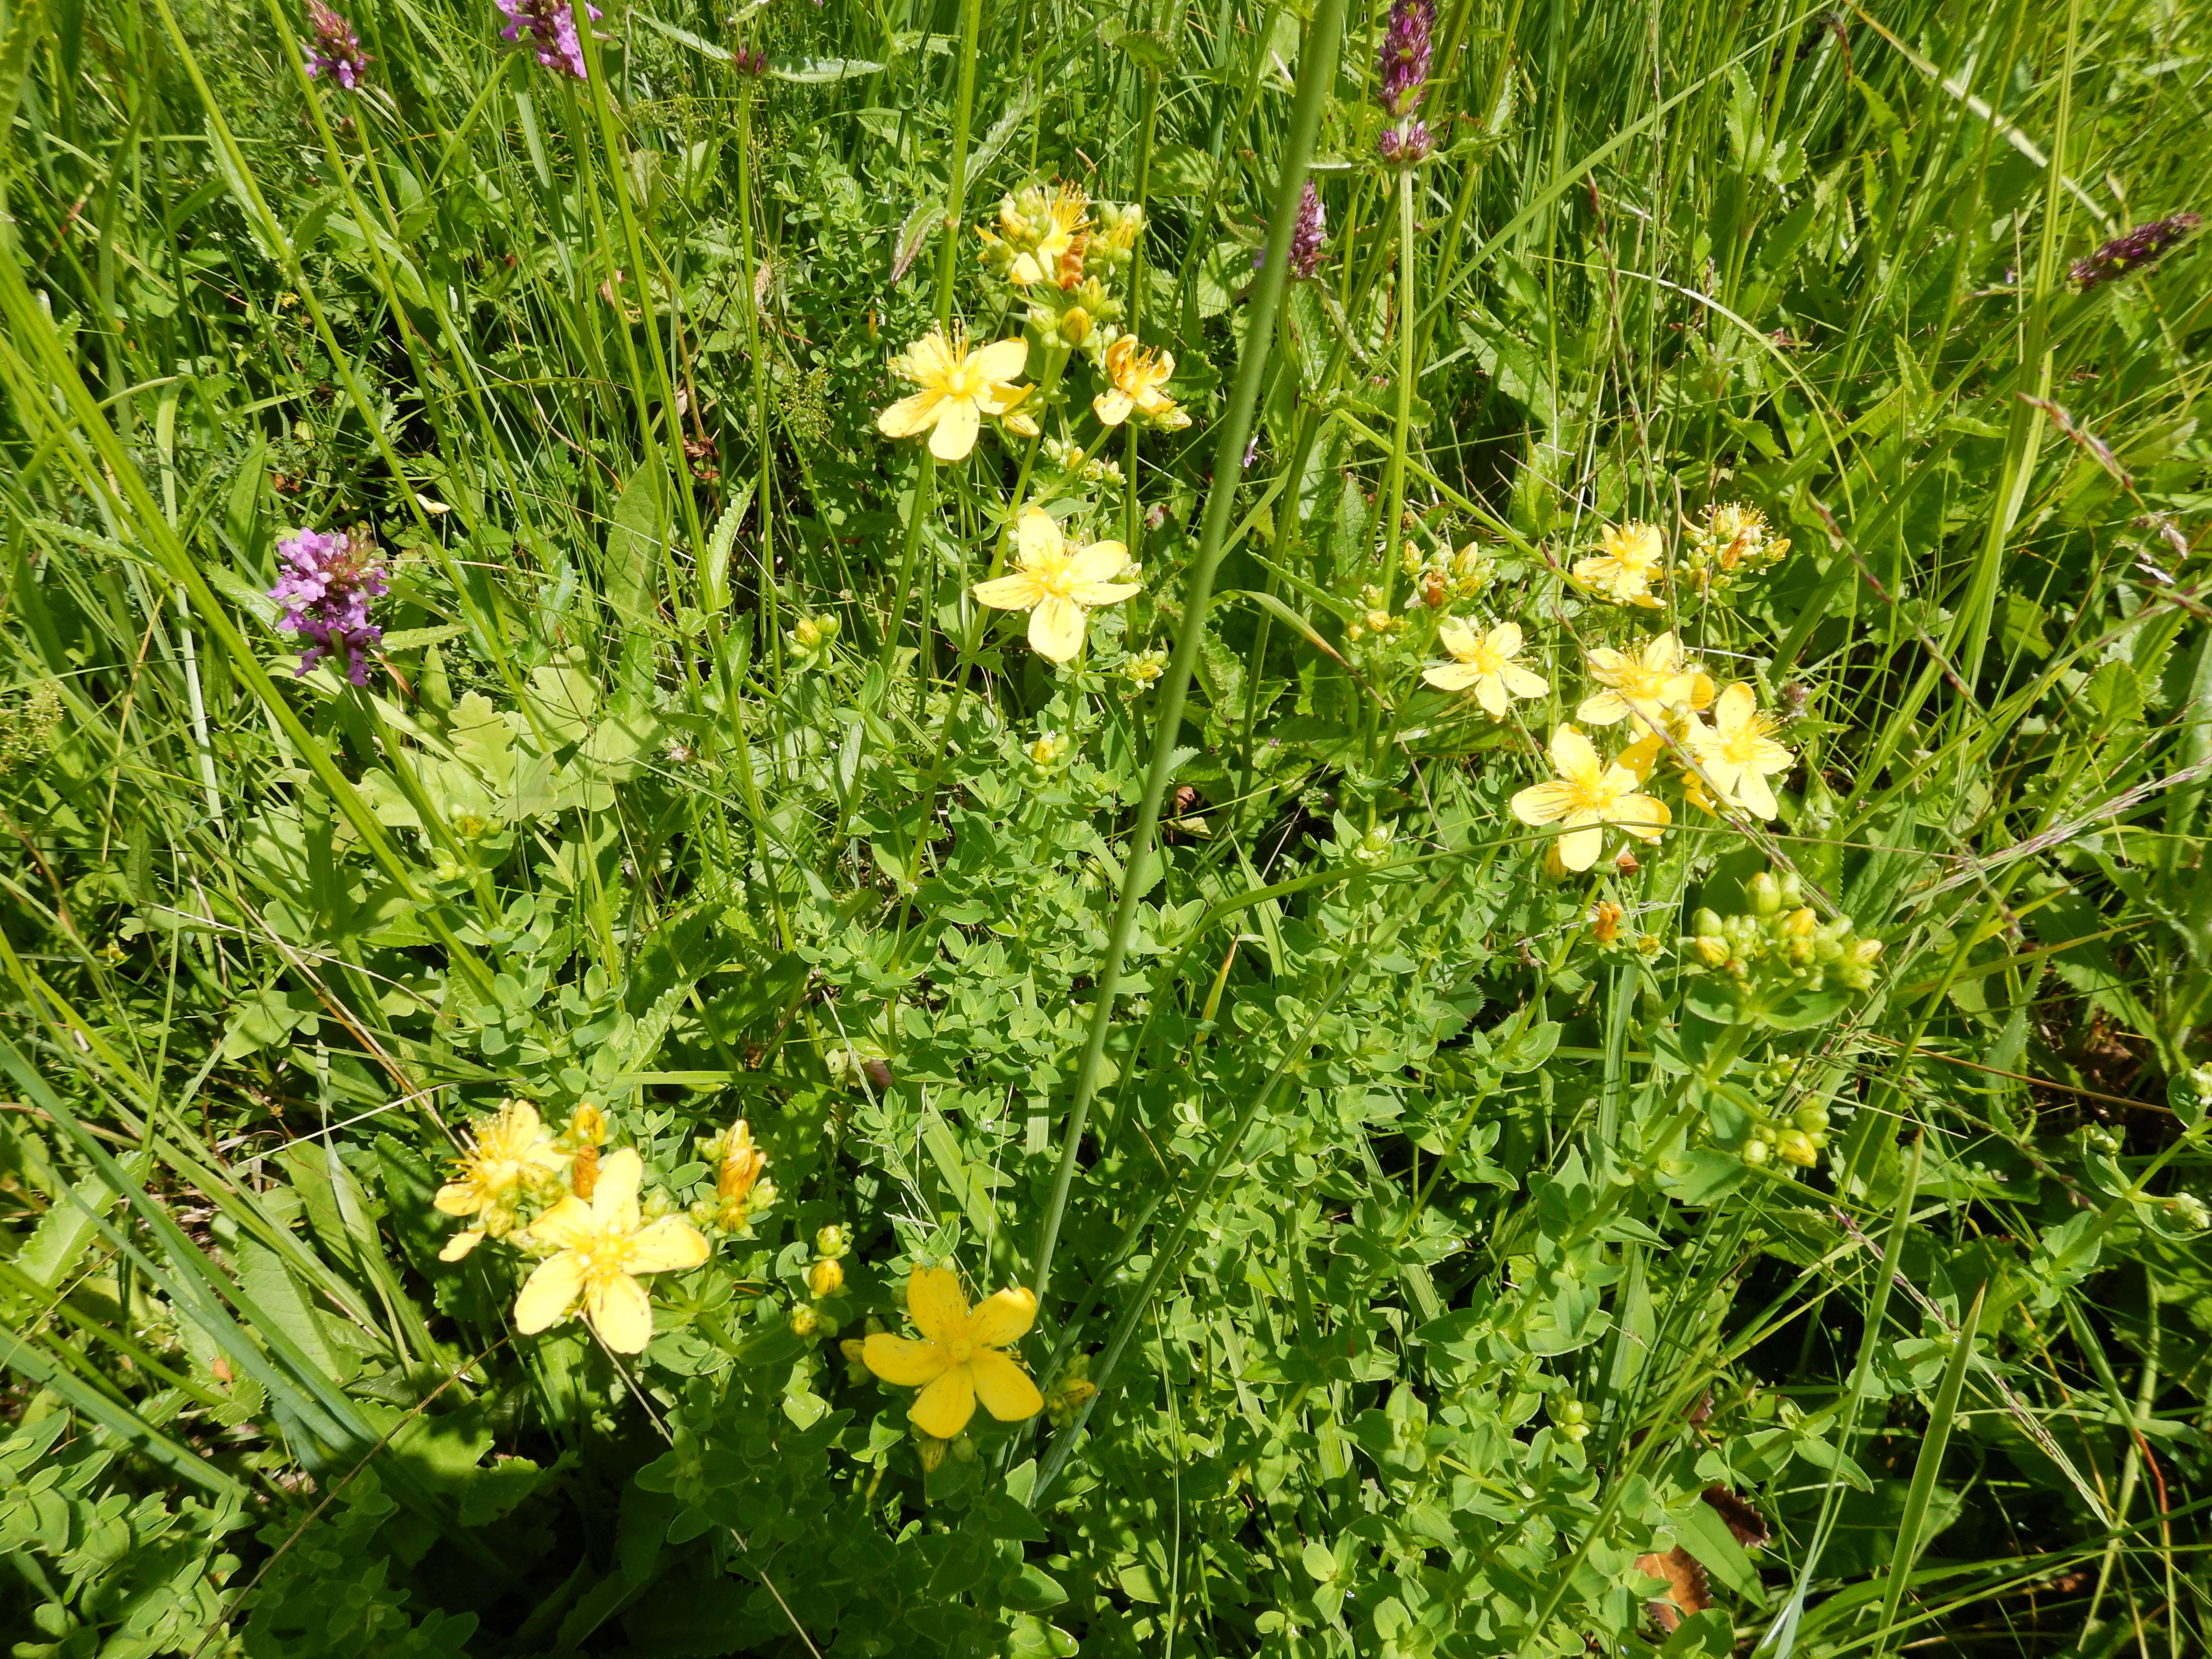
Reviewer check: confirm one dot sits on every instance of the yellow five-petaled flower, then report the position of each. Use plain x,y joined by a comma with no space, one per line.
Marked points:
1137,375
1589,794
958,1360
1630,558
958,388
1484,663
600,1249
1059,585
509,1153
1736,753
1643,683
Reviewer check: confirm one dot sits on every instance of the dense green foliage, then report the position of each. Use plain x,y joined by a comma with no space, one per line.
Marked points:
1456,1237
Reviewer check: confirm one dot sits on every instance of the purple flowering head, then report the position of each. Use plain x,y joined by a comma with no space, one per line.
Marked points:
1406,144
551,26
1401,68
335,50
2141,246
326,580
1307,236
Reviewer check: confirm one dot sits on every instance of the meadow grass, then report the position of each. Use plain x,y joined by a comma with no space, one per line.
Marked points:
1420,1223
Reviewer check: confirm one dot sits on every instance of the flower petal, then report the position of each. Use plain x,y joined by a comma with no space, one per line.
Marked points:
1603,708
1451,676
1522,683
1092,595
1572,754
902,1360
666,1245
619,1308
944,1408
1756,794
1016,592
1038,539
549,1292
910,415
1490,692
1456,639
1112,408
1057,628
929,360
1003,1318
1738,705
461,1244
1505,639
1580,846
1003,360
614,1199
1101,562
1005,1387
568,1225
954,434
1543,802
457,1197
1642,816
936,1304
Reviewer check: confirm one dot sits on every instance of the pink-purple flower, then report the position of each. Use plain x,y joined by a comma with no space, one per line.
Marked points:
1401,67
551,26
326,581
1406,144
335,50
2143,245
1307,235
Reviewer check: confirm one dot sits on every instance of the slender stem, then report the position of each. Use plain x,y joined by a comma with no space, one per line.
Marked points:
1316,75
764,433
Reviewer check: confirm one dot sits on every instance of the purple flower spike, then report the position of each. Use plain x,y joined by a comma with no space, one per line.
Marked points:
328,578
551,25
335,50
1401,68
2141,246
1307,235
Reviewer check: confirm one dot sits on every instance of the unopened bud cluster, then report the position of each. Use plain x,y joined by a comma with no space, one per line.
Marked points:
1729,541
1781,946
813,636
1443,578
740,1194
1798,1138
825,1278
1059,250
1070,1391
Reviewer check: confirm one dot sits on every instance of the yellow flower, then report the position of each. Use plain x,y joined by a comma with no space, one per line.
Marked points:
1137,375
1736,753
958,388
1485,666
1057,254
1632,557
508,1152
1589,794
1644,684
957,1361
1057,585
600,1249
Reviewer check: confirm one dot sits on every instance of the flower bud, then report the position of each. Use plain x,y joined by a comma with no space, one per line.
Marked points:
803,1320
1075,325
963,1448
2186,1213
1765,894
1756,1152
825,1278
1811,1116
1800,923
1706,922
832,1241
931,1450
1712,950
1797,1147
806,634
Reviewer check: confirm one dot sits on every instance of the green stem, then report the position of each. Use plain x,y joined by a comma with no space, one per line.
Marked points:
1317,74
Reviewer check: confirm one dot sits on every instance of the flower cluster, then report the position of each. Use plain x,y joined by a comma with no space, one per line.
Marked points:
2143,246
584,1223
1799,1138
335,50
551,26
1401,75
1629,559
740,1194
1781,946
327,580
825,1280
1731,540
1309,231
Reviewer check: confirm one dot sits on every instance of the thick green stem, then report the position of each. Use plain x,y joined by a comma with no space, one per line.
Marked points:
1317,74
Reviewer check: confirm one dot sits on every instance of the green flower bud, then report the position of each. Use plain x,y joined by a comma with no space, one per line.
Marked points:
1765,894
